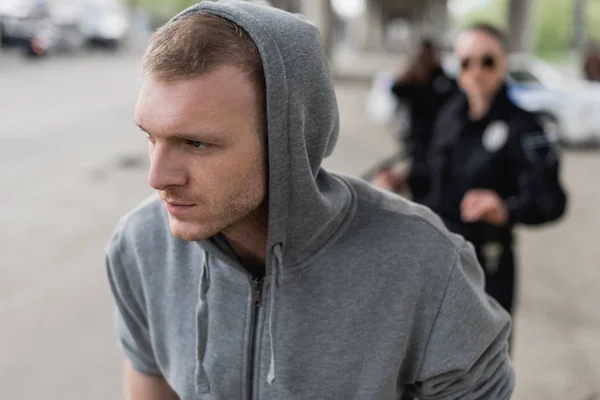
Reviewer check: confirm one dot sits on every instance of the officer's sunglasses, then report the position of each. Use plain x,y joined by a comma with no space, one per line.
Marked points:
486,62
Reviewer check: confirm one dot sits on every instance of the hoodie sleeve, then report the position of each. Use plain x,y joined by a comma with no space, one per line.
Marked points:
130,317
467,353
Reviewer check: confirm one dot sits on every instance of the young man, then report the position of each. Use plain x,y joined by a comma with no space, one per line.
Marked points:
255,273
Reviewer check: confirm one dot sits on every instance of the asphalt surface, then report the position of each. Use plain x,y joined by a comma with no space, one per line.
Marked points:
72,162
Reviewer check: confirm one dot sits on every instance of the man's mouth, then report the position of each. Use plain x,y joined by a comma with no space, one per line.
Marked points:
176,208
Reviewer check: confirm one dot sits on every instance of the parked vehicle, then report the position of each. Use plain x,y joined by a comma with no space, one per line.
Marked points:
40,27
104,22
568,109
20,20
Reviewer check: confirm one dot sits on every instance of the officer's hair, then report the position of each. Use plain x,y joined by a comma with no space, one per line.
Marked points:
428,44
492,31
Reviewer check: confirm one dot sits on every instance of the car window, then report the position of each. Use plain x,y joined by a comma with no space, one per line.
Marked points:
523,76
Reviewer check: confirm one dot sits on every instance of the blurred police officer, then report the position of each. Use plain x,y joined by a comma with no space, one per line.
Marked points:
491,165
424,87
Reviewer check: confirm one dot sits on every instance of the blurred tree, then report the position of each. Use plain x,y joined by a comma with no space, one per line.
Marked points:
554,22
592,20
163,6
579,25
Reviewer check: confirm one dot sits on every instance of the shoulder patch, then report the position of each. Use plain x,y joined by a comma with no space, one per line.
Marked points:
537,148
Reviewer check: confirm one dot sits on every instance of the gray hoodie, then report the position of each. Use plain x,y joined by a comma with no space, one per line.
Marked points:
366,295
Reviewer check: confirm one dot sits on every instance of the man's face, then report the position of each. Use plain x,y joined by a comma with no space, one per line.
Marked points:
207,154
483,63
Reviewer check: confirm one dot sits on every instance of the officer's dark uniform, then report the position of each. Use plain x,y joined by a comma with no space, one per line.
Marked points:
507,152
425,102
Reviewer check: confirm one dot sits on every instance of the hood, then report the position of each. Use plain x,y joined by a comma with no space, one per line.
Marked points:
306,204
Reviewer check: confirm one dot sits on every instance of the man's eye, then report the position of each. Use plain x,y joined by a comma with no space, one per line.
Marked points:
195,144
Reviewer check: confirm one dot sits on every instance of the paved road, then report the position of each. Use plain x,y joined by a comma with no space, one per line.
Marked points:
72,161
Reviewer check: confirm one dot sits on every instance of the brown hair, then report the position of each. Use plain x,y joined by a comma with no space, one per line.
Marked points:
423,65
197,44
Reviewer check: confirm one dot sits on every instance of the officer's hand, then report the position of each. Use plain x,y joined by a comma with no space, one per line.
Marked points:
383,179
393,179
484,205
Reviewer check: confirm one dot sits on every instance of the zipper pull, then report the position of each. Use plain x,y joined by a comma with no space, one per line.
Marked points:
257,291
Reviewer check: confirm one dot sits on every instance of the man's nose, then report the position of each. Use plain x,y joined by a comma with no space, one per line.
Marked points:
165,168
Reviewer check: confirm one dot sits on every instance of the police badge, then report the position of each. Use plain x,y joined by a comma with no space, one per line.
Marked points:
495,136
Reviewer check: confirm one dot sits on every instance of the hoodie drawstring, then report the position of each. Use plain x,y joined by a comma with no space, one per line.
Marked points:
277,264
202,384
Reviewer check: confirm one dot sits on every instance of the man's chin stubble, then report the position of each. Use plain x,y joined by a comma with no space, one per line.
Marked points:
188,233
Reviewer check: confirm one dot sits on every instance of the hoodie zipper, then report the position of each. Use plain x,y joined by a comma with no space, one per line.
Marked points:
257,285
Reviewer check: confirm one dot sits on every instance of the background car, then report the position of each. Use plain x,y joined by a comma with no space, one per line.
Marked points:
104,22
567,107
48,26
40,27
20,20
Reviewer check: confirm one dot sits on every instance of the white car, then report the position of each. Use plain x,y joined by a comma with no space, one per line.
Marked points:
104,22
568,108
